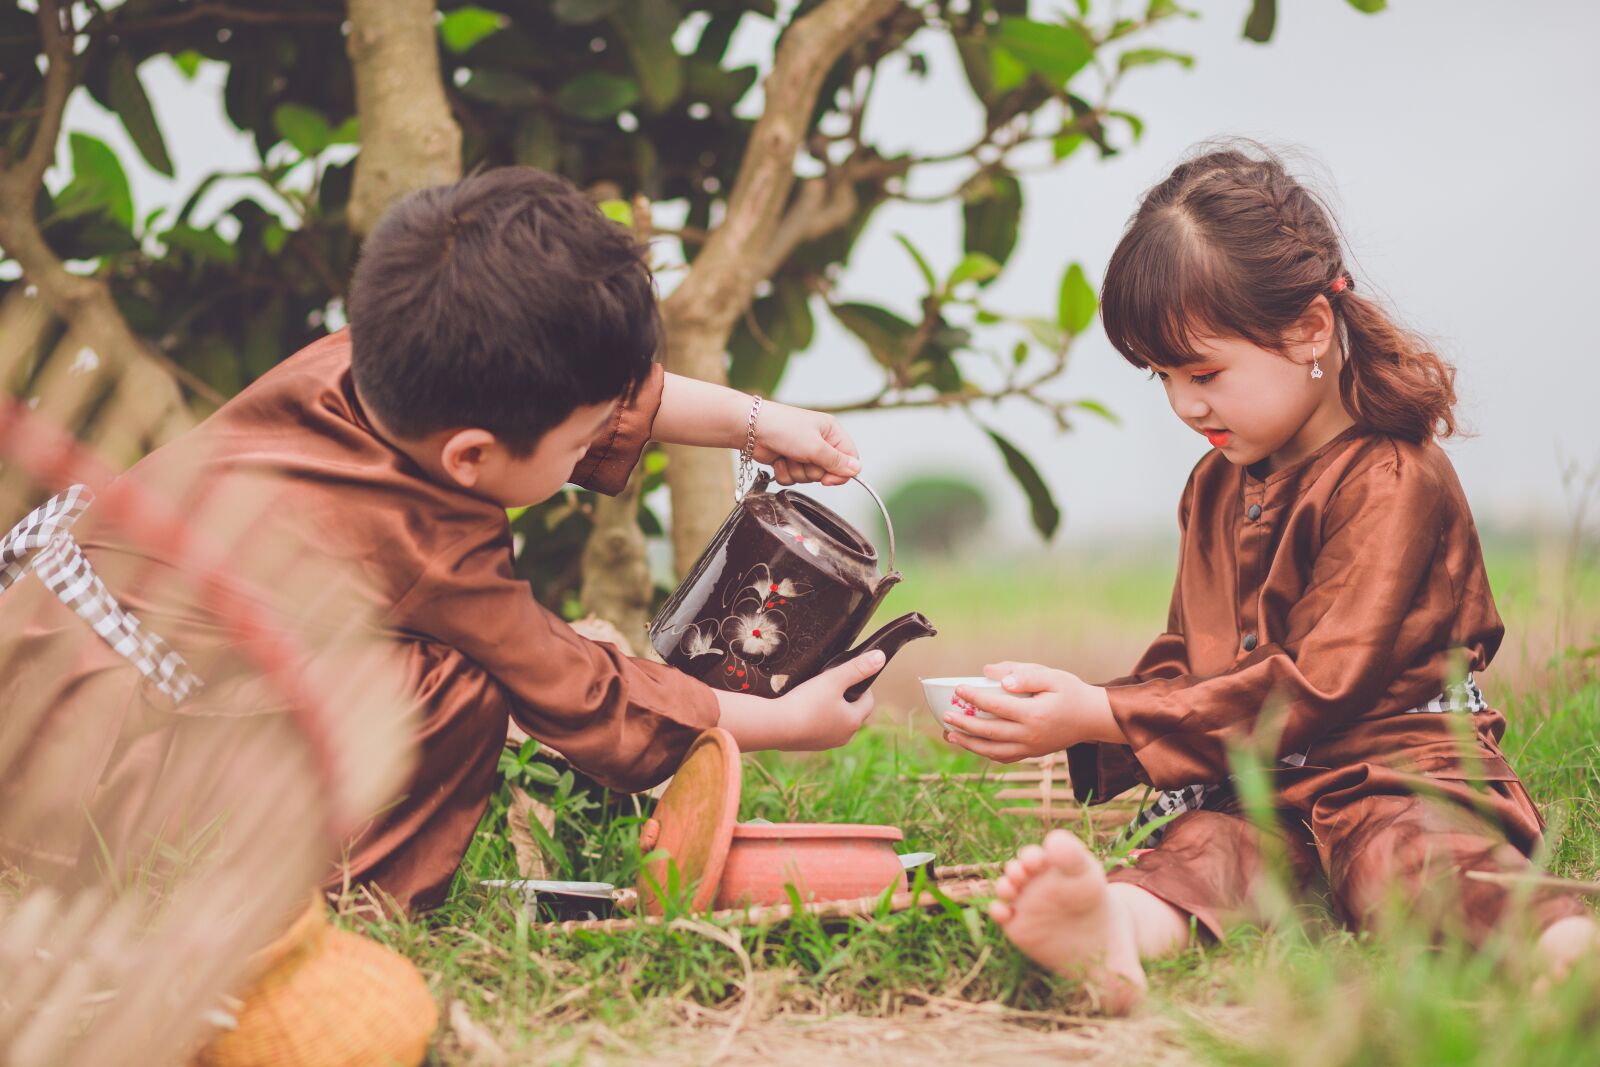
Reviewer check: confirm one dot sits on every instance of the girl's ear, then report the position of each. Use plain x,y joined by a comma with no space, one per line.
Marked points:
463,455
1315,325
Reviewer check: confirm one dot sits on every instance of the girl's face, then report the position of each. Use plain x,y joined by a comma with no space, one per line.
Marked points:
1254,404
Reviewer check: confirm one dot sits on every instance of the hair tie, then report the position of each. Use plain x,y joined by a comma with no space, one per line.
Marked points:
1341,283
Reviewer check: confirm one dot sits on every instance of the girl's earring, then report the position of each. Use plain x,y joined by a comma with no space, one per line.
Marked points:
1316,365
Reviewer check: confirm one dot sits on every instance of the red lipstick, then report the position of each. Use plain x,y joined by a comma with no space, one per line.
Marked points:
1218,438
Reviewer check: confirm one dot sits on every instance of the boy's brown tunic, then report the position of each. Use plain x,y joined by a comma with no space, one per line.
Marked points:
437,564
1316,609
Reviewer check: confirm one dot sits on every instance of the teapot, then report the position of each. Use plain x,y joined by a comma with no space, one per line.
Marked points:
779,595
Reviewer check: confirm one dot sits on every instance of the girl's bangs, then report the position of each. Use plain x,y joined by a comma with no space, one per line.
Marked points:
1162,294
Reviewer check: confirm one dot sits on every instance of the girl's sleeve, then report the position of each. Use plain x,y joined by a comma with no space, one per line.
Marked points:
1375,600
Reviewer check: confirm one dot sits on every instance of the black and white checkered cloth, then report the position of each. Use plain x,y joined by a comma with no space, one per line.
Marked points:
1464,697
42,543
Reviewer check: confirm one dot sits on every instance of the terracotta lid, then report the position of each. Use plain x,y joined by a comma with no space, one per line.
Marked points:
693,822
816,831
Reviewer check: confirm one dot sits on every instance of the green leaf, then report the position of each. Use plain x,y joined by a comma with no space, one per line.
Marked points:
466,26
349,131
1135,123
1077,304
203,243
127,97
1046,515
1068,143
619,211
501,87
991,215
646,28
1008,71
922,264
704,80
883,332
98,182
1054,51
1144,57
1263,18
578,12
1369,7
1097,408
974,266
188,62
302,127
597,95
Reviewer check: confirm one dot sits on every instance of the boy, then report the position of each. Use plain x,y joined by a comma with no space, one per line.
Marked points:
501,343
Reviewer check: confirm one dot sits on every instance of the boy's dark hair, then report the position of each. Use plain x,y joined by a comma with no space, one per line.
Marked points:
503,302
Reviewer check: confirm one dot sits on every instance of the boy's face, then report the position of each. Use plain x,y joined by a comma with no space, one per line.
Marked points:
480,463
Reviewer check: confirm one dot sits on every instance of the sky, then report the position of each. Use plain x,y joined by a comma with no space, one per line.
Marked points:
1452,136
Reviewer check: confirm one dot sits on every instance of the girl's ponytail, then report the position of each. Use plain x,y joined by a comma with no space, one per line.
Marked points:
1392,382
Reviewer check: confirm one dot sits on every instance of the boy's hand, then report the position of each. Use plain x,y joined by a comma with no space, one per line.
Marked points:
804,446
809,717
1062,710
820,714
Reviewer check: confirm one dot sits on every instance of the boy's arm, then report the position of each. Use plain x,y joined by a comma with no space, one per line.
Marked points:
801,445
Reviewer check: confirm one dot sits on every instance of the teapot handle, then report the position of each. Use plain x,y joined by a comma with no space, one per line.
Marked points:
763,478
888,523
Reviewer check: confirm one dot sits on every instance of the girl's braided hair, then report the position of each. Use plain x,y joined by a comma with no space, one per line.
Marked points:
1232,245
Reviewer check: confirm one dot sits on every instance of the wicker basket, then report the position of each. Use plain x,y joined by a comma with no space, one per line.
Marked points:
328,998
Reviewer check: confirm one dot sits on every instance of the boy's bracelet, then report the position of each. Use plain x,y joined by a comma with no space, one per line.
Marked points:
747,457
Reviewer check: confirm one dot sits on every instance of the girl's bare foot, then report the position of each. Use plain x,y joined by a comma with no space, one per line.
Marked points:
1055,904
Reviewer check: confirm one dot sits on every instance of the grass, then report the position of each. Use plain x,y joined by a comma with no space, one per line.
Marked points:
1304,994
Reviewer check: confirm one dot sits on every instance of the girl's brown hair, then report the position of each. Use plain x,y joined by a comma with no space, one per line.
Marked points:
1230,245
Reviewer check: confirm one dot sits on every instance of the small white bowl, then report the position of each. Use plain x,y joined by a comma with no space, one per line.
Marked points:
942,699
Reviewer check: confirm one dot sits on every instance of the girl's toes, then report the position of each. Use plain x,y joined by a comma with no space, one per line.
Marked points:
1001,912
1032,858
1005,888
1016,872
1065,853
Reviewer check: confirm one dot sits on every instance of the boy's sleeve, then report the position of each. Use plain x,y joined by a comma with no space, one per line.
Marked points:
614,454
1375,602
627,722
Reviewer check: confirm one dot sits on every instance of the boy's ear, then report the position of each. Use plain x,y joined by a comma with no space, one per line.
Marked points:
464,453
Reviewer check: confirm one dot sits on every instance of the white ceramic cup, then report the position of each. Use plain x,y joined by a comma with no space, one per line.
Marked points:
950,709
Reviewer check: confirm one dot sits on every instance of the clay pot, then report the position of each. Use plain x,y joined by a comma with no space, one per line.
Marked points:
823,861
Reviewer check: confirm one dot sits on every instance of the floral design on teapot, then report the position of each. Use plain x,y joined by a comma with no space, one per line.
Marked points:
753,633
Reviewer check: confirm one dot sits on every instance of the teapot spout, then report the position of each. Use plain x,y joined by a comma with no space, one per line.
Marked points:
891,638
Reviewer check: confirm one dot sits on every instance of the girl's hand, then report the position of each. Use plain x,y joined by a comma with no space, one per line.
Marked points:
1039,710
804,446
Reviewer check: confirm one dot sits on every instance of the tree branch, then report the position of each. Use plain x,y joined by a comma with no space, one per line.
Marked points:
742,251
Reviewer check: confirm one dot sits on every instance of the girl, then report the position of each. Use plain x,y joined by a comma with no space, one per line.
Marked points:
1330,608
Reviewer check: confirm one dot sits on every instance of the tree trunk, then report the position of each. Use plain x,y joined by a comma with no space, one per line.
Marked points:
409,140
616,576
701,313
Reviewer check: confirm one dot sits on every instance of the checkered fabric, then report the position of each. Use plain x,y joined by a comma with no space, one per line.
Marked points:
42,542
1463,697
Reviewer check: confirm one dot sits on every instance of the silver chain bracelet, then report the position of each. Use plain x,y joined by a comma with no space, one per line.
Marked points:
747,457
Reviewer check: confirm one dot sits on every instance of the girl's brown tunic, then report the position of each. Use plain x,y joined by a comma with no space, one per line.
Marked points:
1318,612
436,566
